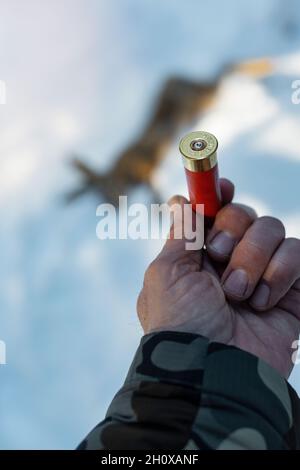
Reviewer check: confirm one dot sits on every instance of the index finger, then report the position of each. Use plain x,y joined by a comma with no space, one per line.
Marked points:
230,225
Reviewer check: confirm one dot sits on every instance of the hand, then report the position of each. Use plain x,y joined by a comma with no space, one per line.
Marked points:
243,289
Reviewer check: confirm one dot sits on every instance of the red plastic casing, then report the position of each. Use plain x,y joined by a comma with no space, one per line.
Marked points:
204,188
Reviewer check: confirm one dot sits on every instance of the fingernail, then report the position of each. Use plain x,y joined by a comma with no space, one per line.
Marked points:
261,295
222,243
236,283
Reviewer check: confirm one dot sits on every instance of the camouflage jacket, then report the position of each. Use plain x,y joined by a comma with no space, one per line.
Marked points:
184,392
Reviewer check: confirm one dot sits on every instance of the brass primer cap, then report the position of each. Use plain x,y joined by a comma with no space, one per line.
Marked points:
199,151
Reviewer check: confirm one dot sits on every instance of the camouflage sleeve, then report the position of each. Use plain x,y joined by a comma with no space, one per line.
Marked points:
184,392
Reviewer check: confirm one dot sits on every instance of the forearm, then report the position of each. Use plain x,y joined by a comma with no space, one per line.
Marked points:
183,392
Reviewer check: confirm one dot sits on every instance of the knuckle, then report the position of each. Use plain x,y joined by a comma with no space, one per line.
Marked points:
238,213
292,244
247,211
278,276
286,263
273,224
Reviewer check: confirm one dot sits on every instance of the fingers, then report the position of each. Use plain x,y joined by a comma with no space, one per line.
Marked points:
229,227
227,190
280,275
251,257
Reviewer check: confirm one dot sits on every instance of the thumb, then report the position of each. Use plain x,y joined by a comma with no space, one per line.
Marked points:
187,230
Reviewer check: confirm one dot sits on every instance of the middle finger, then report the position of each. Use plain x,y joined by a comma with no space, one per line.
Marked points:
251,256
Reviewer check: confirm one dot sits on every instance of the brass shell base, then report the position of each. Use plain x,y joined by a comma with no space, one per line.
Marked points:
199,160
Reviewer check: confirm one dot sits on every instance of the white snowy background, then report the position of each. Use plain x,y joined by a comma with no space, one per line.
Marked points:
81,77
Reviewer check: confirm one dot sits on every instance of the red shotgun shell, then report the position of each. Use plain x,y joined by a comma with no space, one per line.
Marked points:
199,153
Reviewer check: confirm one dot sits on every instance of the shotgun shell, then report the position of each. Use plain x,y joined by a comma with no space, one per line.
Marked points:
199,154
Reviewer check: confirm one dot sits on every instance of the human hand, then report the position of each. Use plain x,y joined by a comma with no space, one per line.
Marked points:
243,289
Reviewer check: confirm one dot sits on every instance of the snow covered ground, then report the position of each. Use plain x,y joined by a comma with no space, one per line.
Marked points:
80,77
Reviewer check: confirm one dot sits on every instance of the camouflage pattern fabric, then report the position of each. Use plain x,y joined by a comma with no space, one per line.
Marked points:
184,392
